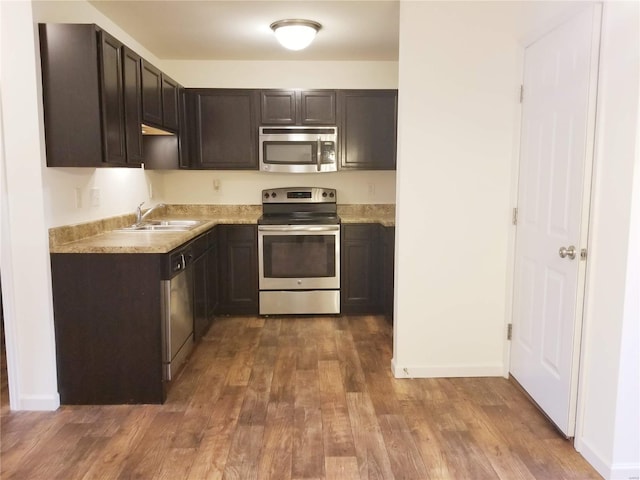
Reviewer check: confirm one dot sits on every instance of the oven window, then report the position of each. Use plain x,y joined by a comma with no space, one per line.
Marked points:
303,256
295,153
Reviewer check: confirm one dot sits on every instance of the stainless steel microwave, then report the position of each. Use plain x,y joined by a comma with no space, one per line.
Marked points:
298,149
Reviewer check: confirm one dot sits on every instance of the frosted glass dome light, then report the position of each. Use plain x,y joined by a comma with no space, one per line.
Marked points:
295,34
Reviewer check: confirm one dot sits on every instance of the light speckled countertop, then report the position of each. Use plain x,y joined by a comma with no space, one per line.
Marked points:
103,236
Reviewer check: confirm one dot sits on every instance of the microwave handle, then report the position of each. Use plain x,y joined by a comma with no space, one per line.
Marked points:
319,153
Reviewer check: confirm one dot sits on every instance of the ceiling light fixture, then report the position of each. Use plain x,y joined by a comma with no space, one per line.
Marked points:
295,34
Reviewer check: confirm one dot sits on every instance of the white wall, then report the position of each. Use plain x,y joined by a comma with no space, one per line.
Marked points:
608,432
244,188
24,253
458,80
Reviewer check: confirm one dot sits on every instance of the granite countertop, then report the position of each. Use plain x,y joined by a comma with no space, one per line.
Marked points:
384,214
104,236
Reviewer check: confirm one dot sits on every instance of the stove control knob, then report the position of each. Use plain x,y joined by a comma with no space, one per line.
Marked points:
324,194
273,195
331,195
266,195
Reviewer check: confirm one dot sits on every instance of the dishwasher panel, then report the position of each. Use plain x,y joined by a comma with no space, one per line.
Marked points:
177,321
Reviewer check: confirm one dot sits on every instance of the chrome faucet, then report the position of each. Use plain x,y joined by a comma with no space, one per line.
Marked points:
141,216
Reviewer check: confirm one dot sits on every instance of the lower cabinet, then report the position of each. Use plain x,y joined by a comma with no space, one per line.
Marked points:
108,328
206,285
388,262
367,269
238,269
360,269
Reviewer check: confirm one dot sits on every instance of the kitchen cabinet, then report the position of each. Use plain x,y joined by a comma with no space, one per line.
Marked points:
238,269
387,243
360,269
108,328
367,128
222,129
206,284
90,96
160,98
298,107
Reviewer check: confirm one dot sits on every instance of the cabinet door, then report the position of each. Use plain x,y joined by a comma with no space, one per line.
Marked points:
170,104
113,130
238,269
151,94
278,107
318,107
368,129
222,125
388,260
360,269
71,95
213,284
133,105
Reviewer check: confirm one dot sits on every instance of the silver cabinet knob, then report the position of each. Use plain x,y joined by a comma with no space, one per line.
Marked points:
567,252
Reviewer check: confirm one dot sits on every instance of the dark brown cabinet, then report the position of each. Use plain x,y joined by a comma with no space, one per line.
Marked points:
205,274
89,97
132,105
160,98
388,260
367,129
238,269
221,125
108,328
360,269
298,107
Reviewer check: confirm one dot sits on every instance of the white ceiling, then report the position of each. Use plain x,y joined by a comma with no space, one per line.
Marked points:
351,30
239,30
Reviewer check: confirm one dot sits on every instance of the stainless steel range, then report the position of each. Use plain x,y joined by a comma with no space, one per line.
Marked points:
299,251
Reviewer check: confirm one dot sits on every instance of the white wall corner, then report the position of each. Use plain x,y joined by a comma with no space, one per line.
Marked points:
38,402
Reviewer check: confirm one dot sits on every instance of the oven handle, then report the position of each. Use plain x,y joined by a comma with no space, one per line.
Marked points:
298,228
319,154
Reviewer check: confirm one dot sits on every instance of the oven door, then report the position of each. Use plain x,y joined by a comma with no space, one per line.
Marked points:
299,257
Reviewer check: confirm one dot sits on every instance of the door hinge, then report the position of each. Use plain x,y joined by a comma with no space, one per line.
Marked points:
521,93
583,254
514,216
509,331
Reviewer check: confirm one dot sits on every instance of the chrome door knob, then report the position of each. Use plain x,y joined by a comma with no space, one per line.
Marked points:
567,252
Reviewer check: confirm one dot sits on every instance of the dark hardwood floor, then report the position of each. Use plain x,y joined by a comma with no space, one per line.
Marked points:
294,398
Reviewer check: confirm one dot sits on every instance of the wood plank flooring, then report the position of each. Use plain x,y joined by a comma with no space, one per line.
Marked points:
296,398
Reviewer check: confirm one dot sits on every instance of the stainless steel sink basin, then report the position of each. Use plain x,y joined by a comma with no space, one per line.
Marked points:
163,226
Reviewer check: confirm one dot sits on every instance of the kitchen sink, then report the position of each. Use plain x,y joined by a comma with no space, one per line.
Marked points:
163,226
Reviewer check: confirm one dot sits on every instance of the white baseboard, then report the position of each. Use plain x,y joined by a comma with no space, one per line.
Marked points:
620,471
46,403
445,371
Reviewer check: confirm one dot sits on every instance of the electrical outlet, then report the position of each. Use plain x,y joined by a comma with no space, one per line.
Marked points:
77,194
216,184
371,188
94,196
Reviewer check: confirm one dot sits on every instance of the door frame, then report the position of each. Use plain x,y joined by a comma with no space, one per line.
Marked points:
588,183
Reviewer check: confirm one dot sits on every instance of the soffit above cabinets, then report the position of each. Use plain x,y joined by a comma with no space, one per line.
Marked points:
239,30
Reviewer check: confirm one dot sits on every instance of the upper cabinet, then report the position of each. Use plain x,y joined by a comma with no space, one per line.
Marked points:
298,107
222,129
160,98
89,98
93,91
367,129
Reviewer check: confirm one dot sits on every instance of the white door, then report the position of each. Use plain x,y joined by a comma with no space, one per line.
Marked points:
555,157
